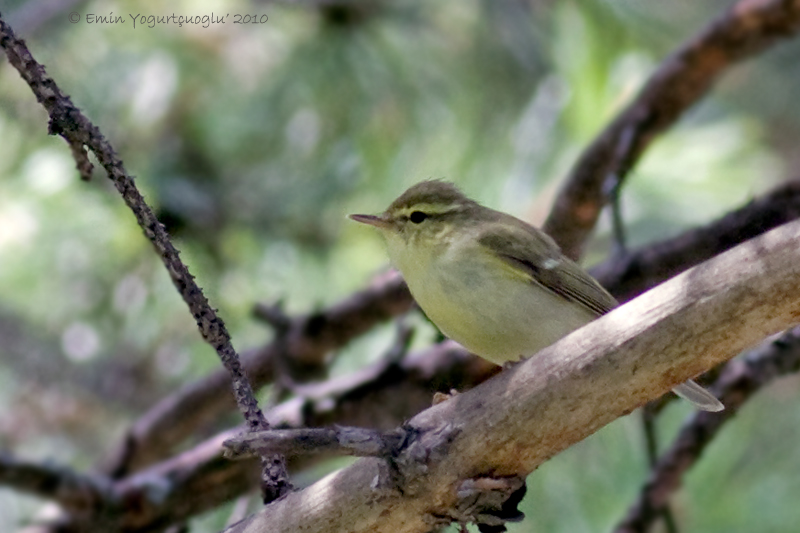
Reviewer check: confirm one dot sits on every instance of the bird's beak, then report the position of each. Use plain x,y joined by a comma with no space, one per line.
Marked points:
380,222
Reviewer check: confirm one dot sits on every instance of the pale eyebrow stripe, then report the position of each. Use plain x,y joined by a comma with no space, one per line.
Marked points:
431,209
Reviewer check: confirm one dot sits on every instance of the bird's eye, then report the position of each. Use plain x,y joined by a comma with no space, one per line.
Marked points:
417,216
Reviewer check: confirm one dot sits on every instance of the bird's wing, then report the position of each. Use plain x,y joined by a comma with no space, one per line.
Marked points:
522,246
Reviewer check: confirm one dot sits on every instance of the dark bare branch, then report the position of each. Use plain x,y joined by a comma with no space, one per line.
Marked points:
748,27
630,275
338,440
75,492
67,121
737,383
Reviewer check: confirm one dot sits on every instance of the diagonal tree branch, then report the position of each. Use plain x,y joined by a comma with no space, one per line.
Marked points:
517,420
737,383
682,79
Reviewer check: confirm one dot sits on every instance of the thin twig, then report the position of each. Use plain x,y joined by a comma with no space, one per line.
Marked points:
338,440
620,248
68,121
82,162
613,184
651,446
274,315
399,348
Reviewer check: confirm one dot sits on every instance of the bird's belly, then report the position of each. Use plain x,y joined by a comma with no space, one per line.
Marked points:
499,318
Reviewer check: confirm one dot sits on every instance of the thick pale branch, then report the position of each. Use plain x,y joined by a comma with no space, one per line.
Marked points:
517,420
203,480
740,380
682,79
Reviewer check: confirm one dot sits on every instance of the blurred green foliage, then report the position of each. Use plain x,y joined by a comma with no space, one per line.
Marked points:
253,142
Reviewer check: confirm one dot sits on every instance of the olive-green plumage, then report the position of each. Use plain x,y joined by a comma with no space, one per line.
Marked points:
491,282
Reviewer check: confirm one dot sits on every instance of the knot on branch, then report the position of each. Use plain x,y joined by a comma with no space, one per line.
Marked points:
488,502
275,481
410,460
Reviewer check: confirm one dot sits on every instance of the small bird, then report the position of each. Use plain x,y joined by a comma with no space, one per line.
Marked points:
491,282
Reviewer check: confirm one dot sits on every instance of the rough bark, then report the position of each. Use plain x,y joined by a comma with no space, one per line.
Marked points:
520,418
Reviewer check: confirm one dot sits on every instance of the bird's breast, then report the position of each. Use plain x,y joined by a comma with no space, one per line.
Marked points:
482,303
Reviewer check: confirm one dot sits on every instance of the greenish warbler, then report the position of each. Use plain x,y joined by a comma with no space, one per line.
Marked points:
489,281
